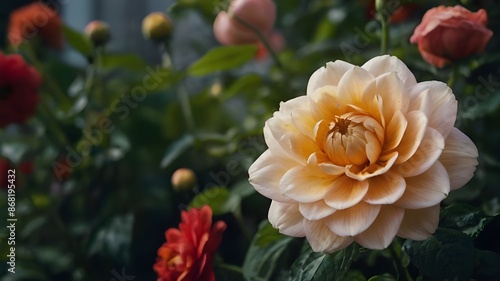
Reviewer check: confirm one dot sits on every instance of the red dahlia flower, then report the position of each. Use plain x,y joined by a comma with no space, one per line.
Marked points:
189,251
19,83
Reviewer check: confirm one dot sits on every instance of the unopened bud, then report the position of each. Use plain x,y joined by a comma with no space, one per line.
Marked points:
380,5
156,26
183,179
98,32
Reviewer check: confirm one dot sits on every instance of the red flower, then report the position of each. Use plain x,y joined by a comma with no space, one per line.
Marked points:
19,83
189,251
450,33
36,18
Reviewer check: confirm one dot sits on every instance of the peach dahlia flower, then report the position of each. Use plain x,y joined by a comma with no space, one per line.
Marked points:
366,155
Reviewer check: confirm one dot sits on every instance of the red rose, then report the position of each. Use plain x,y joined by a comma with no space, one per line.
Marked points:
19,83
189,251
261,14
449,33
31,20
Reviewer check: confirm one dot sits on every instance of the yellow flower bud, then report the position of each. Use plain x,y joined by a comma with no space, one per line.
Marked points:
156,26
98,32
183,179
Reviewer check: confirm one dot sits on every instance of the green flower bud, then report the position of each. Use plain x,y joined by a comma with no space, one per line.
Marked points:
98,32
156,26
183,179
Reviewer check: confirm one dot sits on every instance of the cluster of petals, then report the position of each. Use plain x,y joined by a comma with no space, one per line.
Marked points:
33,20
19,86
189,251
366,155
450,33
228,26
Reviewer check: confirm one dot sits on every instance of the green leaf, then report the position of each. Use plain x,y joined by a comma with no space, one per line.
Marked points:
217,198
244,84
176,149
323,267
113,238
383,277
77,40
129,61
465,218
222,58
263,260
448,254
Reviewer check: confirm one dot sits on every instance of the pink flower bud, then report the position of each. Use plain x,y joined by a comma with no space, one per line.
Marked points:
261,14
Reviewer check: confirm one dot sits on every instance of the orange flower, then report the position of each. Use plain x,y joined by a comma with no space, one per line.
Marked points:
189,251
450,33
31,20
366,155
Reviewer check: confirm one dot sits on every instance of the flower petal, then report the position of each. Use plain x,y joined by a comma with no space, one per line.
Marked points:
286,218
383,64
419,224
391,90
395,130
322,239
325,103
265,175
459,157
329,75
382,166
352,85
383,230
426,155
417,125
306,184
385,189
440,105
345,192
354,220
426,189
316,210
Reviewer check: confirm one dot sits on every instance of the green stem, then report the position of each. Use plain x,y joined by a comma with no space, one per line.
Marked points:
384,42
395,250
453,76
52,125
182,93
263,39
243,227
53,88
230,267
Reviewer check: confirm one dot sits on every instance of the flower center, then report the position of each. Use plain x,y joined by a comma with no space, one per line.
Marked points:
340,125
5,92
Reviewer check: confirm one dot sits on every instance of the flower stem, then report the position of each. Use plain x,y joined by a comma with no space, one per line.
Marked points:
383,16
230,267
453,76
263,39
395,250
52,125
182,93
52,86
